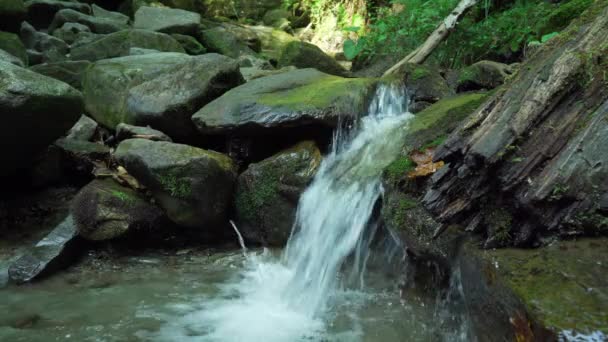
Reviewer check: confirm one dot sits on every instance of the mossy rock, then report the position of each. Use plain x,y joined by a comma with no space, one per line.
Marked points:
70,72
273,41
166,20
193,186
119,44
291,99
268,193
562,15
483,75
11,43
105,210
423,83
190,44
221,40
101,25
306,55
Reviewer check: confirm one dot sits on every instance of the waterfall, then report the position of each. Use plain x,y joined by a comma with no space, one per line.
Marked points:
289,299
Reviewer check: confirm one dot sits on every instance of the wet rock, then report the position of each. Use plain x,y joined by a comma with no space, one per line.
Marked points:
167,20
118,44
103,25
306,55
190,44
5,56
12,12
70,72
105,210
71,32
56,251
424,84
223,41
534,149
84,129
268,193
30,101
161,90
11,43
290,99
125,131
40,13
51,49
483,75
192,185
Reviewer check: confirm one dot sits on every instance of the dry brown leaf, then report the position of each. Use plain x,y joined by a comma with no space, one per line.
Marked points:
425,165
124,178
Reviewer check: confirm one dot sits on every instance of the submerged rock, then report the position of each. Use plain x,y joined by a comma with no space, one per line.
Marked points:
161,90
192,185
306,55
167,20
290,99
118,44
56,251
268,192
29,101
105,210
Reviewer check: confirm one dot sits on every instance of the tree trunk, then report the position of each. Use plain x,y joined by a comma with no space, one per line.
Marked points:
419,55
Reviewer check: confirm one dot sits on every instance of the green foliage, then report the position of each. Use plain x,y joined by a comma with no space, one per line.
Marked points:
399,169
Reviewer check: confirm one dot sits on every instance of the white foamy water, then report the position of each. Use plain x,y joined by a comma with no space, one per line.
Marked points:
291,298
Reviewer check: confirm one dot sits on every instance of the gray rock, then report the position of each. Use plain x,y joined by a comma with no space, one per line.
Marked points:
306,55
11,43
79,157
162,90
125,131
96,24
134,51
190,44
253,73
119,44
84,129
223,41
167,20
295,98
70,32
99,12
57,250
70,72
483,75
29,101
40,13
425,85
52,49
105,210
268,192
7,57
192,185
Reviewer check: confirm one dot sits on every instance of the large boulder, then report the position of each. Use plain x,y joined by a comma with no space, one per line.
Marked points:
268,193
56,251
5,56
71,32
424,85
40,13
272,41
50,48
290,99
118,17
167,20
222,40
192,185
306,55
12,44
101,25
483,75
190,44
161,90
12,12
105,210
29,101
70,72
119,44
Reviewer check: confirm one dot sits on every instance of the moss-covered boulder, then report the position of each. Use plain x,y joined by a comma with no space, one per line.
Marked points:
29,101
278,18
222,40
167,20
70,72
192,185
119,44
483,75
190,44
268,193
83,130
161,90
49,48
11,43
272,41
75,34
12,12
101,25
306,55
290,99
7,57
424,84
105,210
40,13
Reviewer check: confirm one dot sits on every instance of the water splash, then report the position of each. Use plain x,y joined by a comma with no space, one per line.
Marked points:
290,299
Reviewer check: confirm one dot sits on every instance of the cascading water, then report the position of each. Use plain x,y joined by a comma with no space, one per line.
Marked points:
289,299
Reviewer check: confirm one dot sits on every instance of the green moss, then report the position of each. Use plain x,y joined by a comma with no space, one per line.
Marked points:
563,14
419,73
435,142
123,196
11,43
499,220
399,169
562,285
175,184
321,94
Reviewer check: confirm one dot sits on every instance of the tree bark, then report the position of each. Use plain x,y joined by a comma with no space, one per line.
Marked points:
448,24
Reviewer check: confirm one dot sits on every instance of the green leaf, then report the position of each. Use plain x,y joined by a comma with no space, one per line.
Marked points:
548,36
351,49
